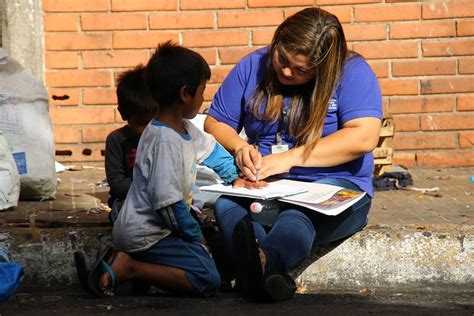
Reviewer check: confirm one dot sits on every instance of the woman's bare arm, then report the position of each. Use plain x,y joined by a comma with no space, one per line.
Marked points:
357,137
247,158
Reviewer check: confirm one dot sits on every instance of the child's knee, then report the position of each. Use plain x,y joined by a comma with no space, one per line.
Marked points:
213,282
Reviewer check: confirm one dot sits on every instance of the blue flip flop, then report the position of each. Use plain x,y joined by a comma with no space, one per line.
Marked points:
99,267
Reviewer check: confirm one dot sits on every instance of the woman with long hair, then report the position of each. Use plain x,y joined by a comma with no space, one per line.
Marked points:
314,110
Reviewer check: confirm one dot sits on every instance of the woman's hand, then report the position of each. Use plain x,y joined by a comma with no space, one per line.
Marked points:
275,164
248,159
244,183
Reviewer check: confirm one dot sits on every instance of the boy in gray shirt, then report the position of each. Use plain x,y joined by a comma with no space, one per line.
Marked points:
158,239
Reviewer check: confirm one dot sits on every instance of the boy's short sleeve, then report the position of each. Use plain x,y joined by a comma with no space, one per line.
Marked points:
203,142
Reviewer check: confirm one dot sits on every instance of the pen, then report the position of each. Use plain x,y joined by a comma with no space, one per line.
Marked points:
257,171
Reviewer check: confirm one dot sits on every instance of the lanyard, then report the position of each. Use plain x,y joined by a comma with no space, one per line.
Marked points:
282,128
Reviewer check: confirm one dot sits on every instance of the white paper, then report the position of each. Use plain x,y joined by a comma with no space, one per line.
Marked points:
273,190
323,198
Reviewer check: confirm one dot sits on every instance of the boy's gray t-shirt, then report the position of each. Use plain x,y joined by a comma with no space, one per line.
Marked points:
164,173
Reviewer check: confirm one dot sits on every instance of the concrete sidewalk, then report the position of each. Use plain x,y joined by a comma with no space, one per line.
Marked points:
413,241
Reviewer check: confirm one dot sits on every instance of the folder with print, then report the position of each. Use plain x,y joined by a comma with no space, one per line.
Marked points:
323,198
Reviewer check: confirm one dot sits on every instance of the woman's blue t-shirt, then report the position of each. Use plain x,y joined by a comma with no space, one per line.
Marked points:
357,95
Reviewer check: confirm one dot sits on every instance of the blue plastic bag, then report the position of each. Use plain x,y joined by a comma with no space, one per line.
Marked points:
10,277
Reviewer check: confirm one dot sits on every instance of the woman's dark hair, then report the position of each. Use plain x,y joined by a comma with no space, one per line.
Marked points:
133,97
317,34
172,67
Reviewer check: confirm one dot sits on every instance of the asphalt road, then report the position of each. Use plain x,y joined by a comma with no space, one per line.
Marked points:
75,302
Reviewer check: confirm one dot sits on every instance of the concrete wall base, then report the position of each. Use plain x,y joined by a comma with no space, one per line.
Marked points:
383,257
47,254
377,258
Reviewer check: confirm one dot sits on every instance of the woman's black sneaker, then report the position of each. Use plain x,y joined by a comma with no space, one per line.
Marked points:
249,268
279,287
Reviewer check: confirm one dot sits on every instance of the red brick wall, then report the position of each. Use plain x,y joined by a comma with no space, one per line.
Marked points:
422,53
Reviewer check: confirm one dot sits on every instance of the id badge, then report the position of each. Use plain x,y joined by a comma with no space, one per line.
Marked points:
281,148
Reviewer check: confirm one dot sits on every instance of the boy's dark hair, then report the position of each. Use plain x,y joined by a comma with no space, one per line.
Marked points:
172,67
133,96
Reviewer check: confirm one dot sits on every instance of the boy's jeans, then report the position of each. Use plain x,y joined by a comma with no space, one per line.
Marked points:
291,238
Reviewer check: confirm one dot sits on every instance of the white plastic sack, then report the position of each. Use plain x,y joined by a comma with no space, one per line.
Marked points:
25,121
9,178
204,175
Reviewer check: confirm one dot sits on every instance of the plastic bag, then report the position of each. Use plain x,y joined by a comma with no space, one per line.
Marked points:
9,177
25,121
11,274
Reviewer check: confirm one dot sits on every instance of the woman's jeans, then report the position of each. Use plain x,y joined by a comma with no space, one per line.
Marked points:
290,239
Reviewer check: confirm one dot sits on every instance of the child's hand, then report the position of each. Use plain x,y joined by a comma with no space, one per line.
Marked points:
241,182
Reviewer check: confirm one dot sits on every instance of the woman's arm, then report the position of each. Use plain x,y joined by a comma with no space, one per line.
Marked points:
224,134
246,156
357,137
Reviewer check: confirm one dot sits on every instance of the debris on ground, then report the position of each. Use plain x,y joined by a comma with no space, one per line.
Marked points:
434,194
445,177
426,191
102,184
72,195
93,167
95,210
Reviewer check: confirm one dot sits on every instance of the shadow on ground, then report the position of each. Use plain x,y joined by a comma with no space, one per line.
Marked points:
74,302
